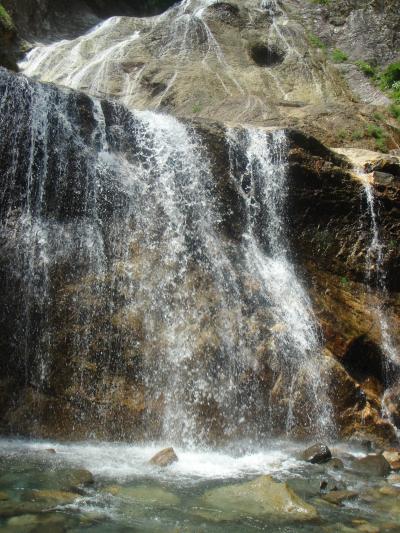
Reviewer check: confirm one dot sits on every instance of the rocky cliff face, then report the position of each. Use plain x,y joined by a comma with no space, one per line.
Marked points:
111,276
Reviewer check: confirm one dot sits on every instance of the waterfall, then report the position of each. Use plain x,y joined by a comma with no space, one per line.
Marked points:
376,275
259,167
112,233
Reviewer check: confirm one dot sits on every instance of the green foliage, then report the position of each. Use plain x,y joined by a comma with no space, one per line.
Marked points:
378,116
196,108
321,2
342,134
372,130
366,68
394,110
344,281
316,42
357,135
339,56
5,19
390,75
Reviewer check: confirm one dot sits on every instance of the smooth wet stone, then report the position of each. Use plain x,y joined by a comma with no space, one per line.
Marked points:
147,495
164,457
372,465
317,454
259,498
389,491
24,520
51,497
74,478
10,509
309,487
368,528
337,497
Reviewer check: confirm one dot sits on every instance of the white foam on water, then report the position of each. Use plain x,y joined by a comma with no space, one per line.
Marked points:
123,462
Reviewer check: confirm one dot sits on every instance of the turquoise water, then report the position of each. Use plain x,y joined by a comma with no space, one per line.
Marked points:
43,488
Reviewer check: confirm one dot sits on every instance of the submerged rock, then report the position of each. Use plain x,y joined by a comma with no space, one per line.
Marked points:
74,479
164,457
317,454
51,497
10,509
147,495
372,465
337,497
258,498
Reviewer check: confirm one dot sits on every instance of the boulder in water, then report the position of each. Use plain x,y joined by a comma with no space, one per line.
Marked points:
258,498
164,457
372,465
393,458
317,454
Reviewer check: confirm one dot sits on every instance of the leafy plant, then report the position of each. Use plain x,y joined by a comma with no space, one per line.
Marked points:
321,2
390,76
357,135
339,56
366,68
344,281
316,42
394,110
196,108
372,130
378,116
342,134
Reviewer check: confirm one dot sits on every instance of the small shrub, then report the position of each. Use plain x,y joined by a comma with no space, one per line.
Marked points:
390,76
372,130
342,134
196,108
357,135
316,42
366,68
339,56
378,116
394,110
321,2
344,281
380,144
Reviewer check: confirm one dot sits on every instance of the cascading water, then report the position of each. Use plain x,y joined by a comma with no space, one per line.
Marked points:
376,275
259,167
112,232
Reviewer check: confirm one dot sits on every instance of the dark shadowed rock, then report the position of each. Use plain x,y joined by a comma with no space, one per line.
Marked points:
164,457
372,465
317,454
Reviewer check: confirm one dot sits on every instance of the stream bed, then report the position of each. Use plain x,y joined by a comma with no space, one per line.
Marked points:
55,487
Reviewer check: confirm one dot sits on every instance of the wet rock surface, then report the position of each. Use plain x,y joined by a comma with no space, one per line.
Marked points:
258,498
317,454
373,465
164,457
